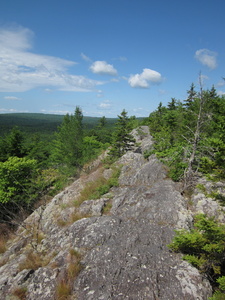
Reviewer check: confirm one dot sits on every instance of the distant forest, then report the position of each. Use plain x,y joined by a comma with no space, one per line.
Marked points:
43,124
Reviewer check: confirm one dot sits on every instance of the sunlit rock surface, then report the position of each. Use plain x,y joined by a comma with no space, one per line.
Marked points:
124,253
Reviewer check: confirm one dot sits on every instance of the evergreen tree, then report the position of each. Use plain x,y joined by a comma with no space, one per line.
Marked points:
102,122
12,145
192,94
38,150
172,104
123,141
191,137
69,140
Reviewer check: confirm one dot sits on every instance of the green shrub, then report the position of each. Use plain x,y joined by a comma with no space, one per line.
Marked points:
218,295
17,181
221,282
204,248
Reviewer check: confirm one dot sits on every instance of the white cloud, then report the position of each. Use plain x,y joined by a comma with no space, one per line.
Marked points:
207,58
100,94
114,80
221,83
105,105
122,58
221,93
103,68
48,90
11,98
21,70
12,110
85,57
145,79
56,112
203,78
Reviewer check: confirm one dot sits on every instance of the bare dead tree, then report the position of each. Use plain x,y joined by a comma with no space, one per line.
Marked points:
189,173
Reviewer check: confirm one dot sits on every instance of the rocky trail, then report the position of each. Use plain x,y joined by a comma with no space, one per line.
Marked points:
118,253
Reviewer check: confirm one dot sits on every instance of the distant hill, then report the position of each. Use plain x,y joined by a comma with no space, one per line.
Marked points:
42,123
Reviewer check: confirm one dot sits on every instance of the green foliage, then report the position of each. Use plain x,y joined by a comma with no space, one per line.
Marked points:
39,150
218,295
204,248
33,163
122,139
104,187
21,184
99,187
91,148
43,124
191,135
194,260
69,140
12,144
17,177
221,281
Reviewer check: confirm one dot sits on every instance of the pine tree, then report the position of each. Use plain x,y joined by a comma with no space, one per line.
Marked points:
123,140
192,94
69,140
102,122
12,145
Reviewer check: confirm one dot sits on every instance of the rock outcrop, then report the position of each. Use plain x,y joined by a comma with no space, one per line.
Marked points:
120,253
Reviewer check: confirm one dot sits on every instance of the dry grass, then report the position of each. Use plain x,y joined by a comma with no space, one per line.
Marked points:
74,269
6,234
3,246
75,216
89,190
63,290
75,266
3,261
64,287
61,222
75,253
34,261
107,208
20,293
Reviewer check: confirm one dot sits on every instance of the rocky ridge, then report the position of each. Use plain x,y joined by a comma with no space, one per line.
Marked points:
119,253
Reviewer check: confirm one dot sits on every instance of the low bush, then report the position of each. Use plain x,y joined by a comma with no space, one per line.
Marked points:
204,248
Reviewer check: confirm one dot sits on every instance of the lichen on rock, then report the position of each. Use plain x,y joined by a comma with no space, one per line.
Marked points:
122,254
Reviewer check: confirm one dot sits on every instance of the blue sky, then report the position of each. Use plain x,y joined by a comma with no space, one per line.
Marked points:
106,56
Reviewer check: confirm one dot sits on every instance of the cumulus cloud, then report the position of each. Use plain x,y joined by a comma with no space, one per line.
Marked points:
21,70
145,79
105,105
207,58
103,68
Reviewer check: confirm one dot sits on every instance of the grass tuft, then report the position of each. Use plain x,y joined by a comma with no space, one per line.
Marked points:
64,287
99,187
107,208
20,293
3,247
34,261
63,290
